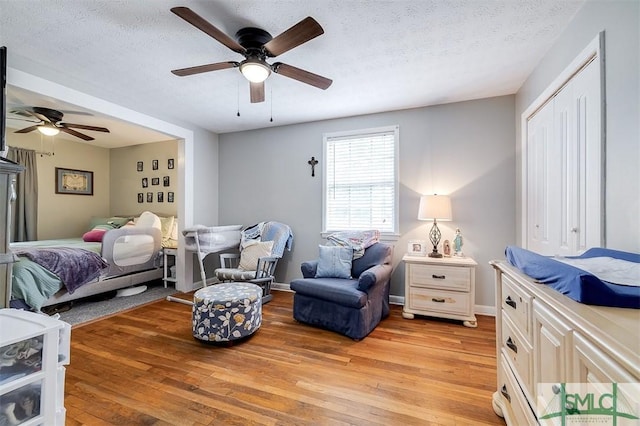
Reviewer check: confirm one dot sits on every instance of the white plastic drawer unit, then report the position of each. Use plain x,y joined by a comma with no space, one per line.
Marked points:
33,351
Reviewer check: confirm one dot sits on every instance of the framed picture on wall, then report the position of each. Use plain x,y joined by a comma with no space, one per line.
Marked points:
140,197
161,197
170,163
79,182
149,197
145,182
140,166
155,181
169,197
165,181
154,164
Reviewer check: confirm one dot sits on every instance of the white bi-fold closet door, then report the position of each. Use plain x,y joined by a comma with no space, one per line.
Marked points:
563,161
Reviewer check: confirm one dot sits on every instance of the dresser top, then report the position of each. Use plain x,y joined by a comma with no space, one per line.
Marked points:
448,261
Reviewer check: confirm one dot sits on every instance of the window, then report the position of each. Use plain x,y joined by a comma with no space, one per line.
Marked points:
360,187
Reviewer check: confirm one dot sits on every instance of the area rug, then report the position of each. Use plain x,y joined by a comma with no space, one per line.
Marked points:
93,308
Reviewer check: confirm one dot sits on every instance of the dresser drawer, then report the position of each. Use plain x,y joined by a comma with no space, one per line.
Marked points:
516,304
514,403
440,276
441,301
518,351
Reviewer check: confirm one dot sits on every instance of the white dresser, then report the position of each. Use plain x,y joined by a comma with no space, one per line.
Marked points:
553,352
34,349
440,287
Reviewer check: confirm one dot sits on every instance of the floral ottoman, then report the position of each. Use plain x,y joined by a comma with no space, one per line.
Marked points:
226,312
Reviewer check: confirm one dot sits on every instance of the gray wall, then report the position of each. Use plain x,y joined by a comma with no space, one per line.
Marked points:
463,149
620,21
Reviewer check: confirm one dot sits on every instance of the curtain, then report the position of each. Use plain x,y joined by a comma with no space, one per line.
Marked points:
24,220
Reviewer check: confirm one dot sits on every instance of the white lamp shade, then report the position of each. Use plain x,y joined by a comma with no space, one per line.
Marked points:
435,207
254,71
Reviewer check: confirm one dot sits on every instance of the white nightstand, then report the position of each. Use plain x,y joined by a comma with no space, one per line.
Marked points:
440,287
168,277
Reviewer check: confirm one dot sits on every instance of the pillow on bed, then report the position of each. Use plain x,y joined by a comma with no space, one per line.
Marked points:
166,224
149,220
252,252
96,234
116,221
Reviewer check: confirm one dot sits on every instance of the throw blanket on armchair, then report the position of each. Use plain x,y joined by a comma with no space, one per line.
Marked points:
357,240
73,266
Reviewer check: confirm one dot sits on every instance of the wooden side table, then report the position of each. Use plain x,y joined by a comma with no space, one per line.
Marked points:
440,287
169,253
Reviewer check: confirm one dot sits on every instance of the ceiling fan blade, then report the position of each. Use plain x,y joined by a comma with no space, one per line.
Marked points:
21,111
302,75
27,129
24,119
85,127
74,133
257,92
200,23
29,112
183,72
300,33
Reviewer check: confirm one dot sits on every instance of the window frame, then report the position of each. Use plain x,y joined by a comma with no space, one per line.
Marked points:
326,137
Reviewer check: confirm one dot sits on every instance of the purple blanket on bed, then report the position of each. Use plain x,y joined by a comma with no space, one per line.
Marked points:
74,266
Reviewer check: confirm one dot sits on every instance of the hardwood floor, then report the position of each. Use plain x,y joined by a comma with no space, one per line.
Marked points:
143,367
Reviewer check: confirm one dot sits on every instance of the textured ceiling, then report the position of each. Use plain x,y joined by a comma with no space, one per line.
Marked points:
381,55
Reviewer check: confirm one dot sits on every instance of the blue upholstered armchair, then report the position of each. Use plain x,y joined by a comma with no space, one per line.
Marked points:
352,304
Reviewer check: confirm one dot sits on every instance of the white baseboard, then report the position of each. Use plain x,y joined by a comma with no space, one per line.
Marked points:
281,287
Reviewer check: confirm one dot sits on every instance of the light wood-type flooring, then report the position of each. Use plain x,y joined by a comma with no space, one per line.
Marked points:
143,367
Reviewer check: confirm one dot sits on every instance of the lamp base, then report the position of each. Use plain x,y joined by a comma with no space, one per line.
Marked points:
435,254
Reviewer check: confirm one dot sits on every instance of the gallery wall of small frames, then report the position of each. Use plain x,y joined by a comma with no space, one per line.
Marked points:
154,187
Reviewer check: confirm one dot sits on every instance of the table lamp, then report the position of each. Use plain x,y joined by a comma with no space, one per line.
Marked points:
436,207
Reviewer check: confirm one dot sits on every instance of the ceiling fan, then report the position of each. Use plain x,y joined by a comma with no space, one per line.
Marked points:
256,45
50,123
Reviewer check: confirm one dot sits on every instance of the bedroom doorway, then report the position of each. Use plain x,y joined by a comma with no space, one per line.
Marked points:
185,137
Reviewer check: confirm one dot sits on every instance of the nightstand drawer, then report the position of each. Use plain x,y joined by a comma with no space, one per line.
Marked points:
448,302
443,277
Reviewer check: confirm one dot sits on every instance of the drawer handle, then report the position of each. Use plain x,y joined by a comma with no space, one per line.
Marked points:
438,299
509,301
504,393
511,345
438,277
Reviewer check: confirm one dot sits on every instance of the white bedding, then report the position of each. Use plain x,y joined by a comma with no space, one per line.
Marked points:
608,269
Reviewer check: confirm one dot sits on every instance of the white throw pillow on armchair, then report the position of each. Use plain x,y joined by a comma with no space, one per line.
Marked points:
252,252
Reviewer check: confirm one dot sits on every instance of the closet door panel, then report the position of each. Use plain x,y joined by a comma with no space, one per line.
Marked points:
540,181
588,117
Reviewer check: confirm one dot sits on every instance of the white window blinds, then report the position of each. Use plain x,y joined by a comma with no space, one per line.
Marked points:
360,180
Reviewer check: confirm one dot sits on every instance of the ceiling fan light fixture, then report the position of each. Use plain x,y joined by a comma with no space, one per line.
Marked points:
48,130
255,70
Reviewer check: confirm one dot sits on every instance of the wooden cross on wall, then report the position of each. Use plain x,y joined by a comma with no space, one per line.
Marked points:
313,163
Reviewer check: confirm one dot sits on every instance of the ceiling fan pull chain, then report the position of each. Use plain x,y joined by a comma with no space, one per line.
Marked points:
238,98
271,95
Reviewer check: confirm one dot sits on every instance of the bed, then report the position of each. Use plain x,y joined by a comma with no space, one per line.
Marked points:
56,271
599,276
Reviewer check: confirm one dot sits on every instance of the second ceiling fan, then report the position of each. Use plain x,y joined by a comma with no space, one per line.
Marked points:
256,45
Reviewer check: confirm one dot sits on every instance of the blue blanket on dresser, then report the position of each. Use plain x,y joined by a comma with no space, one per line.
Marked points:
578,284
